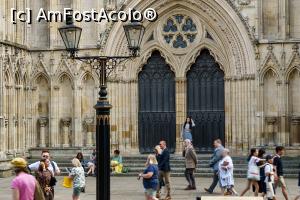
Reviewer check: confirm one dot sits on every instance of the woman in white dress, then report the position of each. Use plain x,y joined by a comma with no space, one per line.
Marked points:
226,174
253,174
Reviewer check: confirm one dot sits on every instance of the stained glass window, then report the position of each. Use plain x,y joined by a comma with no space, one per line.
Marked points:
179,31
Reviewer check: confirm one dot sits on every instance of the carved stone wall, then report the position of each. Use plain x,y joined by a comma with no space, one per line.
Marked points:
47,100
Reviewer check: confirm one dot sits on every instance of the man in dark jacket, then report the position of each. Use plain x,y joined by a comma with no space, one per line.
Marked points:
164,169
214,164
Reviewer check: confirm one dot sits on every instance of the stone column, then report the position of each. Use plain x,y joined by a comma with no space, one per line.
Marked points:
66,122
77,138
89,124
271,130
295,131
54,122
43,124
6,146
180,110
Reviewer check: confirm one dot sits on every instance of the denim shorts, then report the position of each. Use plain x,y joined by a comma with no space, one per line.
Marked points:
77,191
150,192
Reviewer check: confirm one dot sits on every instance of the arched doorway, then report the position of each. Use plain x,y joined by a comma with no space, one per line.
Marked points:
205,101
156,117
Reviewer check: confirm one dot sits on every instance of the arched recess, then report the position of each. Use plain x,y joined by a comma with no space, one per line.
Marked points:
66,109
270,106
87,111
206,101
18,106
42,109
294,106
7,107
156,115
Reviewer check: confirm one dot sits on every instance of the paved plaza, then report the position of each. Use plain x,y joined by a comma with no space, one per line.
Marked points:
129,188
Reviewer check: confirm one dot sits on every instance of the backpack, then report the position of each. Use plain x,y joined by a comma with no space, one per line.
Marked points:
53,179
38,192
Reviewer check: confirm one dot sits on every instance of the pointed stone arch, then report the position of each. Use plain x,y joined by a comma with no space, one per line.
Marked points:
140,62
62,75
269,63
219,57
294,63
221,16
88,73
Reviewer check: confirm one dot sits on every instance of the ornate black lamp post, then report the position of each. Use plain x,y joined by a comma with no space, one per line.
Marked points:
103,65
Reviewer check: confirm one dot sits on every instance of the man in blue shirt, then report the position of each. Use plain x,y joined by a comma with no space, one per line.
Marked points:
214,164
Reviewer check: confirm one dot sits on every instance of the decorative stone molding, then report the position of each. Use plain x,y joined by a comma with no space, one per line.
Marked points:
43,121
90,129
18,87
34,88
56,87
6,122
66,121
271,120
244,2
295,130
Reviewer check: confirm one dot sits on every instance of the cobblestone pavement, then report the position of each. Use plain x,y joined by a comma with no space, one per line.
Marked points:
129,188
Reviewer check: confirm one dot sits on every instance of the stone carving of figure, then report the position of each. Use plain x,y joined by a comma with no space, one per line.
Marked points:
244,2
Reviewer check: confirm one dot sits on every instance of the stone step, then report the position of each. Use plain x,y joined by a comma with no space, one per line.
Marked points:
136,164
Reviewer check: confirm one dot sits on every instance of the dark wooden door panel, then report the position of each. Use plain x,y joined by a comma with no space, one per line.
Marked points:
157,116
205,101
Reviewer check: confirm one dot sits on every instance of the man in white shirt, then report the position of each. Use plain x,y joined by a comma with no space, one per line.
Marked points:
269,180
52,165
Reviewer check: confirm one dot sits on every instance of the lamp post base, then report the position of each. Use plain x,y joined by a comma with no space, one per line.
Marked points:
103,149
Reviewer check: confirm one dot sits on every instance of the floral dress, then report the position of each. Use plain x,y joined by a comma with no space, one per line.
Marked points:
44,178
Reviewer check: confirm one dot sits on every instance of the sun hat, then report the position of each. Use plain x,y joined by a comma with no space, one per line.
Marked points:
19,162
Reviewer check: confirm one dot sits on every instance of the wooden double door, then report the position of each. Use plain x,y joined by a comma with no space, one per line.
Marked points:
157,105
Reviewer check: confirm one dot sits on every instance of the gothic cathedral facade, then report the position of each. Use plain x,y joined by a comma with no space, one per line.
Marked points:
232,65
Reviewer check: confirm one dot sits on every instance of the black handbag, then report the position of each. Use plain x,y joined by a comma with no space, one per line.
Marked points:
52,181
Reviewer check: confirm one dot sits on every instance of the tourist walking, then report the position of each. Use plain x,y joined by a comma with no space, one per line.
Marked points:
52,166
186,132
298,197
150,178
277,162
226,174
261,164
190,164
23,185
77,174
164,169
253,175
214,164
45,179
269,178
157,151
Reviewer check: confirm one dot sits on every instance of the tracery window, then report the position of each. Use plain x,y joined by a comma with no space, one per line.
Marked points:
179,31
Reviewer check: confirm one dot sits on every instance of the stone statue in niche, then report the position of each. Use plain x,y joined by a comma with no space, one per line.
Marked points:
244,2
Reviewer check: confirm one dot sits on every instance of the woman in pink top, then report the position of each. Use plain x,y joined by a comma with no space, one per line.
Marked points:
23,185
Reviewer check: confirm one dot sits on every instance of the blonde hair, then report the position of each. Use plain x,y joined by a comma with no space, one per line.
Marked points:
158,149
76,162
151,160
